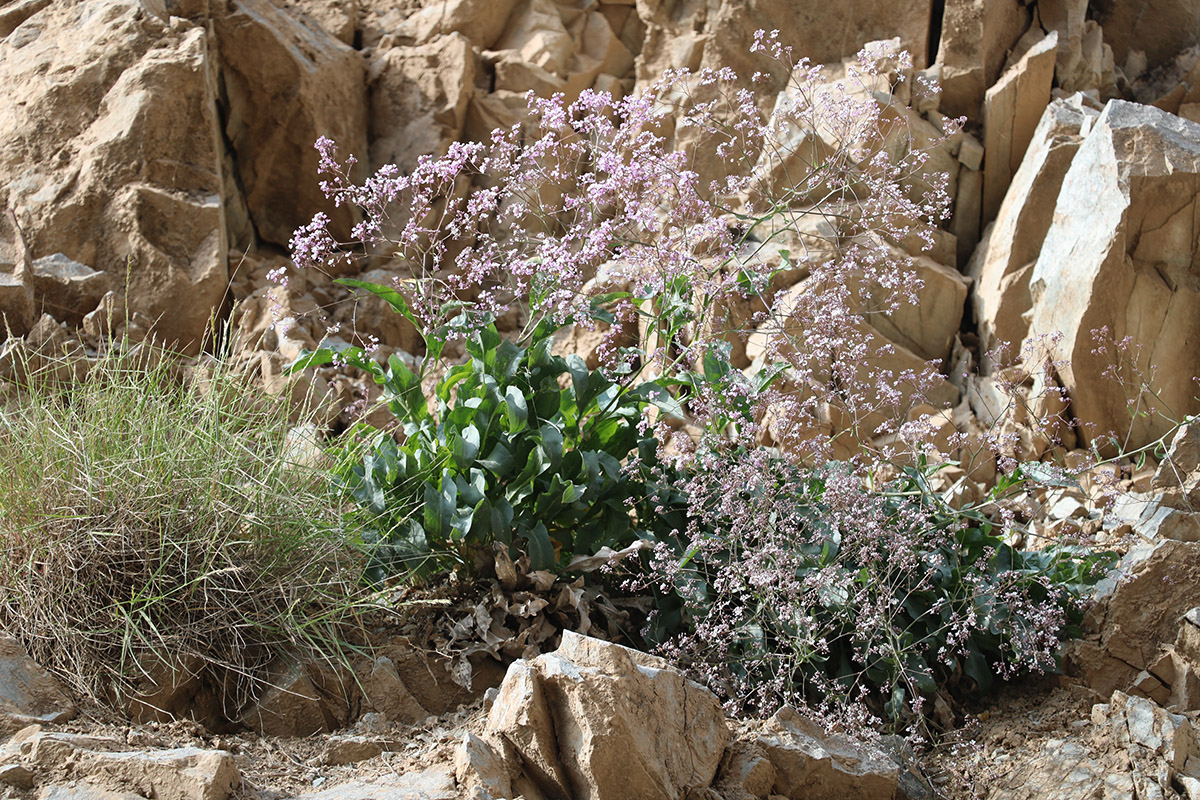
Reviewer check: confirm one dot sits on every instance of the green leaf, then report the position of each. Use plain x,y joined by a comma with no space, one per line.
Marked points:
439,508
515,409
541,549
450,380
309,358
977,669
1048,475
579,378
482,345
552,443
465,447
663,399
386,293
403,388
499,461
481,521
716,362
501,520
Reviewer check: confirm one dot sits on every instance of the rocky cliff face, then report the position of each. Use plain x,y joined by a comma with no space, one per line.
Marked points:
155,155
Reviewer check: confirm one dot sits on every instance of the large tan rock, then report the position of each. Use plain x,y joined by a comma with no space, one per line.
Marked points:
16,294
1158,28
928,326
116,162
483,22
812,763
67,289
1138,611
1001,265
595,720
976,38
1159,744
419,98
1132,749
1178,474
28,694
1011,110
537,33
826,33
433,783
338,17
108,765
1084,61
1122,252
286,84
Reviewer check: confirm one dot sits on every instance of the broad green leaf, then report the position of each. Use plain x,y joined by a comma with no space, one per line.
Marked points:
552,443
465,447
388,294
515,409
541,549
499,461
439,508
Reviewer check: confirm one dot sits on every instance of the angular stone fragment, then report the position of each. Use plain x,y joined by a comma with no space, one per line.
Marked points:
184,773
1158,28
1136,615
28,694
1011,110
435,783
480,770
1003,262
67,289
811,763
976,38
1122,253
483,22
594,720
419,97
116,163
286,84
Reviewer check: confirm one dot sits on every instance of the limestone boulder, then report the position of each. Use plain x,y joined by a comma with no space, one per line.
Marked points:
809,762
286,83
479,769
926,327
1083,61
66,761
1177,478
1159,744
301,699
434,783
419,98
595,720
538,33
338,17
16,294
1158,28
28,694
1138,611
1122,253
1001,265
116,163
483,22
67,289
976,38
826,33
16,305
1011,111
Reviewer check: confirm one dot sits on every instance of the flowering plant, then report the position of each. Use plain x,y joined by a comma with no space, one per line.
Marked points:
739,257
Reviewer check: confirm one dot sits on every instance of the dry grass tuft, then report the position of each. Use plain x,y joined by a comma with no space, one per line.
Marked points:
144,522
